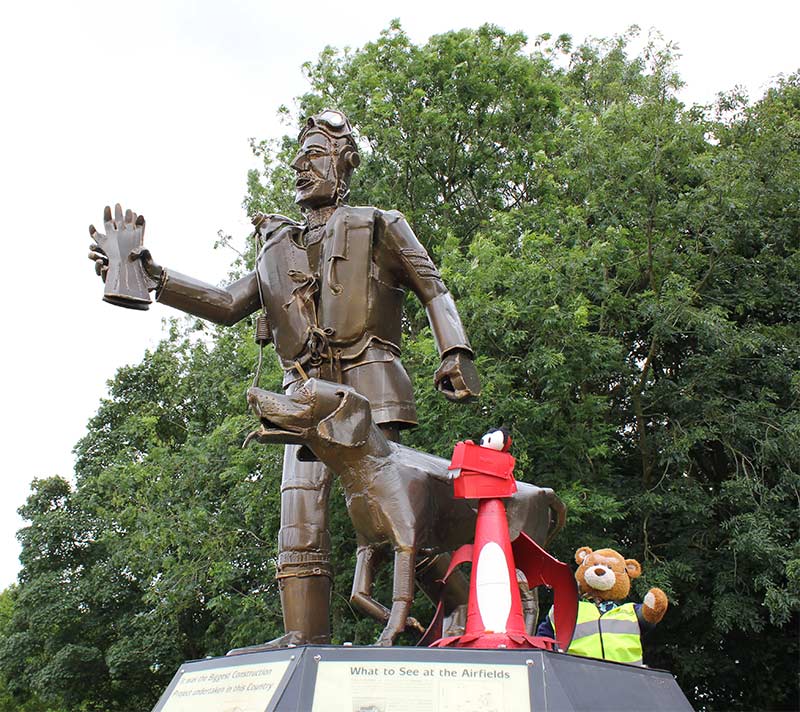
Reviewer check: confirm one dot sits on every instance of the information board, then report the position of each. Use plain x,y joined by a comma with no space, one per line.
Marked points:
420,687
234,688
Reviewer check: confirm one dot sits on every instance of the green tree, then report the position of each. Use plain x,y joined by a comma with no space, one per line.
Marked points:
627,270
630,288
13,697
163,550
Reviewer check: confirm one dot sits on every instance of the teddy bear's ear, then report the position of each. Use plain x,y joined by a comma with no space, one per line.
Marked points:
633,567
581,554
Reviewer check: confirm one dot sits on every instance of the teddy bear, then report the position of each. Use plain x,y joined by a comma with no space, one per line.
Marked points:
606,627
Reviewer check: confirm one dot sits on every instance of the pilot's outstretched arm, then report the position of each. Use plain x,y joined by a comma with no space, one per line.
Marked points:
222,305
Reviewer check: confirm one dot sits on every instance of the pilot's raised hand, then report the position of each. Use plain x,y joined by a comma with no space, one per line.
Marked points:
124,234
122,262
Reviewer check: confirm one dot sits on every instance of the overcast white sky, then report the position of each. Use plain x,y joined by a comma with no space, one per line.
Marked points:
151,103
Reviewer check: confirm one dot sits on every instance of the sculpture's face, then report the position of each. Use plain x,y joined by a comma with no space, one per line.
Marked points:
316,182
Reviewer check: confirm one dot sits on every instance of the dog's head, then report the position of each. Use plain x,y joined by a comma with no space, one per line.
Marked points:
317,413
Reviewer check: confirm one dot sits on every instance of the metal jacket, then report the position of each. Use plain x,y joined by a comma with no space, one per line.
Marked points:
614,635
350,298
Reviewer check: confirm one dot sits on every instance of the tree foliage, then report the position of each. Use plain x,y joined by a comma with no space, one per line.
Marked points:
627,270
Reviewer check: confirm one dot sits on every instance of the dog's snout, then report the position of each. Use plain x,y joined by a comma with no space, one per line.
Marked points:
258,401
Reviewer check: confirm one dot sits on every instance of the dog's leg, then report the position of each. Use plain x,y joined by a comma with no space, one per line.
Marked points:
431,570
529,597
367,559
558,515
402,596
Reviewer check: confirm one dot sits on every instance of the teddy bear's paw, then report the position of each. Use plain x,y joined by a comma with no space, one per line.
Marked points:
655,605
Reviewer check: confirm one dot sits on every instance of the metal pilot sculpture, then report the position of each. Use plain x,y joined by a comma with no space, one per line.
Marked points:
333,289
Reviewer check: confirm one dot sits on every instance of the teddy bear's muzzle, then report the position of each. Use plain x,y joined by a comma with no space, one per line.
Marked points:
600,578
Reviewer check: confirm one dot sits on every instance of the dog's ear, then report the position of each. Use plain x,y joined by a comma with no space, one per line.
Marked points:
349,424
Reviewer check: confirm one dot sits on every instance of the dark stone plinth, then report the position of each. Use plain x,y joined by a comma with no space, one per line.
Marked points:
366,679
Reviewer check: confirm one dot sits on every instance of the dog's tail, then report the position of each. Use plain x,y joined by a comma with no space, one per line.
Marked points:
558,517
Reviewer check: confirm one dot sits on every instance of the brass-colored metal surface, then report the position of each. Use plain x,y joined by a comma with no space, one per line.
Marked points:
117,259
399,499
332,289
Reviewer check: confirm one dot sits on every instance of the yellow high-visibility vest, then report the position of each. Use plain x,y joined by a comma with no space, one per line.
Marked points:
614,635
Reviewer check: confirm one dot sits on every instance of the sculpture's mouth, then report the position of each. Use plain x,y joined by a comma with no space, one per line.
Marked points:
270,433
304,182
272,429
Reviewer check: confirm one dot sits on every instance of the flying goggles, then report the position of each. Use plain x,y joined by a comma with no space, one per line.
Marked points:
332,123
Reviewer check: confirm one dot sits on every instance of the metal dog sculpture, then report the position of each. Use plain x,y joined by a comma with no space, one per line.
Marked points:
395,495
